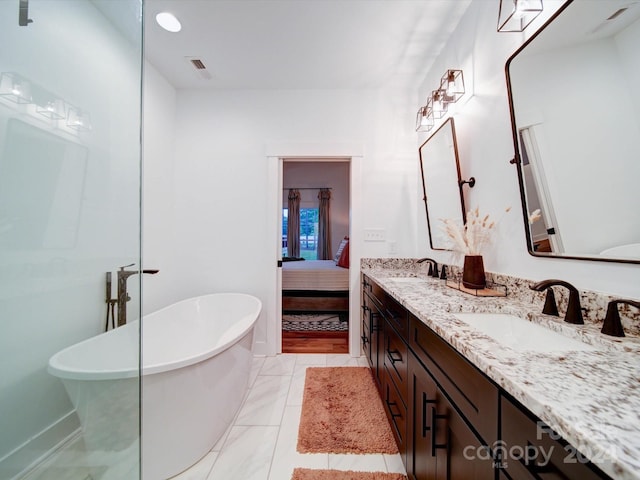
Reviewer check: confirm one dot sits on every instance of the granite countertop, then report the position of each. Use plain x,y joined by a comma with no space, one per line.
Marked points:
591,398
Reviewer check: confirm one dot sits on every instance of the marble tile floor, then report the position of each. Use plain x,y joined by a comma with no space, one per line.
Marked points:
261,442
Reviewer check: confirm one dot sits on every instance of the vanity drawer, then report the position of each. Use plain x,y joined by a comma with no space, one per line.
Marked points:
471,391
545,454
395,360
396,315
397,414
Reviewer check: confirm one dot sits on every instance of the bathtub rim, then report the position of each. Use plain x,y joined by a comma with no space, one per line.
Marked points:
63,371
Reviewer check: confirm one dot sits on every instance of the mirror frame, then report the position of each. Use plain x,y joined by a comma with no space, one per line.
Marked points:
449,123
517,159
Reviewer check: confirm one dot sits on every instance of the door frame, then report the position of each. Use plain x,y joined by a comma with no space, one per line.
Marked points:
276,154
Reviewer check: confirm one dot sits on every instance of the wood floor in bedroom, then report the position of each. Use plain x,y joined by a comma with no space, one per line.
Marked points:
315,342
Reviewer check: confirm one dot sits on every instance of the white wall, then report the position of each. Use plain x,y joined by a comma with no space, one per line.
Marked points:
158,243
485,147
219,224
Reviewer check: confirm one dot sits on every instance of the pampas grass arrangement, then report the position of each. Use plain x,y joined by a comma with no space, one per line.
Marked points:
470,238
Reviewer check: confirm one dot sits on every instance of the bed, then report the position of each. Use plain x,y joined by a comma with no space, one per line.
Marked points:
318,286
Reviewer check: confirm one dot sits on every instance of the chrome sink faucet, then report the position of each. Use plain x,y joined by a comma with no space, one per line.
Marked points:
574,310
123,296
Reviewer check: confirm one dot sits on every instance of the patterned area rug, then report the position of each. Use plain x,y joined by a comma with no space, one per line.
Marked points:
308,474
315,322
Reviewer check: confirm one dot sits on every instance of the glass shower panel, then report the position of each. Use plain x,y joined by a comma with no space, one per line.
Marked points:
70,167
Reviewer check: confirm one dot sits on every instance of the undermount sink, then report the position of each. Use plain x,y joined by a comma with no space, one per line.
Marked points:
405,279
520,334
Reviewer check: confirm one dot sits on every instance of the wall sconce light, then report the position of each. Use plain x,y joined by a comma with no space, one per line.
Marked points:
452,84
48,104
15,88
52,109
438,103
424,120
78,120
450,90
516,15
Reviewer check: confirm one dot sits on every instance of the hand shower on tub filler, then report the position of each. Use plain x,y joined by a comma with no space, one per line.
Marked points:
122,296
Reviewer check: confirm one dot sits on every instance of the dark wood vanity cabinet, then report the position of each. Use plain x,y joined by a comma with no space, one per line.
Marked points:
435,440
441,444
372,325
534,451
449,419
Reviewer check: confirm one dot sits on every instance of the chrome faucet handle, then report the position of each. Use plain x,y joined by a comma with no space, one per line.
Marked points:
127,266
612,324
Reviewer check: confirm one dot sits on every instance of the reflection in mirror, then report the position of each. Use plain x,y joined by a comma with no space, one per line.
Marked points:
441,182
574,91
42,180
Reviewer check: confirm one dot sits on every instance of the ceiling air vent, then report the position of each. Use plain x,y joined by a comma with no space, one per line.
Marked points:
615,22
619,12
198,64
200,67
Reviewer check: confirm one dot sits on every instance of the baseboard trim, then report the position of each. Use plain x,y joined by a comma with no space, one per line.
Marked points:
260,349
39,448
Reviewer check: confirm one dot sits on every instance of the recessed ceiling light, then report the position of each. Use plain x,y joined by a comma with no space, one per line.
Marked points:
168,21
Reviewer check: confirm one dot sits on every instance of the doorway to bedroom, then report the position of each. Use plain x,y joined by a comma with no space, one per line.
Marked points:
315,255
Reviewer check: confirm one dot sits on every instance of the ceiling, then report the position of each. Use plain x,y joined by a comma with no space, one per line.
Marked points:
300,44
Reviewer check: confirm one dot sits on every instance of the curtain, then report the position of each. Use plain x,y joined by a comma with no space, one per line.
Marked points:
293,224
324,225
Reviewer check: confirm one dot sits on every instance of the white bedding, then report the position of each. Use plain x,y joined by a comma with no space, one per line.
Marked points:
314,275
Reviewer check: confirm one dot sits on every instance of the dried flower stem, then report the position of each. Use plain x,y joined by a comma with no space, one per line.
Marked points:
471,237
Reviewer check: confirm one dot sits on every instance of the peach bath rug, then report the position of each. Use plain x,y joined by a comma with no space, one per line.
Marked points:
307,474
342,413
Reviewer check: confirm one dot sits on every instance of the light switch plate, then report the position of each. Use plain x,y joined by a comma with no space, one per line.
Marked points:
374,235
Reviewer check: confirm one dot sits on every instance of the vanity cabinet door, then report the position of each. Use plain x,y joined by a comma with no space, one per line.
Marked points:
397,413
366,331
395,360
469,389
421,464
376,350
441,445
533,451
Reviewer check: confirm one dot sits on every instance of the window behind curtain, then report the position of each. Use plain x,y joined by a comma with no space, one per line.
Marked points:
308,232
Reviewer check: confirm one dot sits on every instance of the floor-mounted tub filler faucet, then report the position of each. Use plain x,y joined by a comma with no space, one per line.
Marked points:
122,296
574,310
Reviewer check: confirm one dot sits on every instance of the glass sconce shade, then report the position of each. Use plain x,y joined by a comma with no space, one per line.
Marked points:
15,88
53,109
424,120
48,105
452,83
516,15
438,103
78,120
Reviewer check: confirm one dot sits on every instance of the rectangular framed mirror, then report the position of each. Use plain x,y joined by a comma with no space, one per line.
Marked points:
441,183
574,98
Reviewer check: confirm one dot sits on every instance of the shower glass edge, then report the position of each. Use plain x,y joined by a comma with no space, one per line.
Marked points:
70,211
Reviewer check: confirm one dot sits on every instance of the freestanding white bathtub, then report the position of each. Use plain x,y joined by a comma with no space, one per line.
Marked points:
196,359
